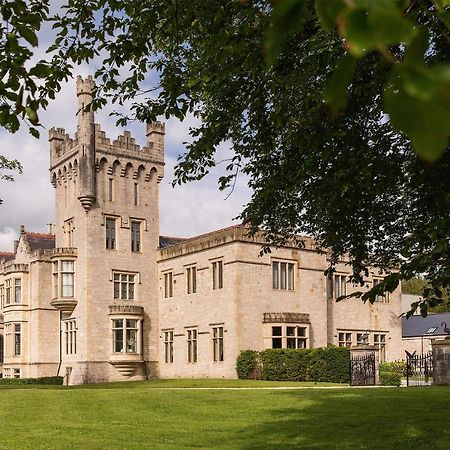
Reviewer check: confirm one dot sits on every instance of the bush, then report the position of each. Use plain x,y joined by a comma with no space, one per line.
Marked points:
42,380
319,364
394,366
390,379
247,365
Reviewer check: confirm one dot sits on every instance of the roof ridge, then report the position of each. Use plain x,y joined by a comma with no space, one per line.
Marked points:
40,235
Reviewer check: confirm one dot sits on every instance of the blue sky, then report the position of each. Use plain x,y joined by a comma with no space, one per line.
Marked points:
184,210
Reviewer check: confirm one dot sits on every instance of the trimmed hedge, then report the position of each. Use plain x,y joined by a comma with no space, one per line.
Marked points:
42,380
390,379
394,366
318,364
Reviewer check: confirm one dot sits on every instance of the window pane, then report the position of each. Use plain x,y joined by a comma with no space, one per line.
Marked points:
276,331
291,276
131,341
67,266
283,275
275,277
291,342
276,343
290,331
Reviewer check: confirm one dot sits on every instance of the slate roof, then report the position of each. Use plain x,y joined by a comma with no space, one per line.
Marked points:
40,241
6,256
168,241
417,326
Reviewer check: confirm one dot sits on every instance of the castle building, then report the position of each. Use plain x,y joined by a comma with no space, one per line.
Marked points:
104,297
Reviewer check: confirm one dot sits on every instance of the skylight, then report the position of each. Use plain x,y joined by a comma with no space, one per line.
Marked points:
431,330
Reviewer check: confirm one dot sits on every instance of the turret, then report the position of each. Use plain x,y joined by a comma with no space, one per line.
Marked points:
86,142
155,138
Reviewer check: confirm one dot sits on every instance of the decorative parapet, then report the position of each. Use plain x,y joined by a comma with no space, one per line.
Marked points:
235,233
126,310
285,317
12,268
62,252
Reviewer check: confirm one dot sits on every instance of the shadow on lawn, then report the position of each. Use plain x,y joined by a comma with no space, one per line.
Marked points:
375,419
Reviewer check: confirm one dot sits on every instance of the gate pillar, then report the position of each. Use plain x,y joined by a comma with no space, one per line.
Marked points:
441,361
366,350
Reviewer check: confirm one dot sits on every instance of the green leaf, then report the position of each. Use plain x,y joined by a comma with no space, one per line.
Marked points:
287,17
28,34
32,115
34,132
329,12
415,51
424,119
336,89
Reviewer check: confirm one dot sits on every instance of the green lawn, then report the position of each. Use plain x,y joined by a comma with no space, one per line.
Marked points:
148,415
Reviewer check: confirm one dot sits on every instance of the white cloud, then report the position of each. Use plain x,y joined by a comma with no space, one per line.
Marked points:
186,210
7,237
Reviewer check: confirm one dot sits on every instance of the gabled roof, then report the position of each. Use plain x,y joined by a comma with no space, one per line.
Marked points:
6,256
417,326
40,241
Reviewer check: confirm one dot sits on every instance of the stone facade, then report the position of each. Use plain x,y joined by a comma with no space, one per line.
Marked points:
104,297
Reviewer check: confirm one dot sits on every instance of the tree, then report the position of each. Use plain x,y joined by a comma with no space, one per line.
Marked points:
343,172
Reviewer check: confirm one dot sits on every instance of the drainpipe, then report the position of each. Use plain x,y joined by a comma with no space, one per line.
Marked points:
60,343
142,349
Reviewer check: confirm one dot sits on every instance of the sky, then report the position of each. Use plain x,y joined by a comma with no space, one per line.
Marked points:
186,210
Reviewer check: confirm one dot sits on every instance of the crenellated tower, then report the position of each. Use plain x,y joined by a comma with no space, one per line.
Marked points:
107,233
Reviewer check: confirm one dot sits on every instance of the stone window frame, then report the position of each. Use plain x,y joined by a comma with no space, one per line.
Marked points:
133,343
63,277
110,236
17,290
18,341
120,291
380,298
345,338
282,282
136,238
191,279
217,273
16,372
288,340
69,228
380,341
70,336
362,338
192,344
168,283
336,285
168,336
218,342
2,296
2,349
8,292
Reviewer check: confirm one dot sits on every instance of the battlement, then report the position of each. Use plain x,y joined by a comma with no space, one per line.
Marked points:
156,127
85,86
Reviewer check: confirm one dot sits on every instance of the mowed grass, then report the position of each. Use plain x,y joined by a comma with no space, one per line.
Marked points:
151,415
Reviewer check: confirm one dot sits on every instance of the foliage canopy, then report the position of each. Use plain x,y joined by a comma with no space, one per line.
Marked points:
365,172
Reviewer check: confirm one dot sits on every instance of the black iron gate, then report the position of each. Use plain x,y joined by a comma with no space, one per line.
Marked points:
419,369
362,370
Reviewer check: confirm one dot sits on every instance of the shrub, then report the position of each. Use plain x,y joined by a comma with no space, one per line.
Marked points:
394,366
42,380
247,365
320,364
390,379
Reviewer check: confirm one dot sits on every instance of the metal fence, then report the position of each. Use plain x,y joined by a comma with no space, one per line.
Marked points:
362,370
419,369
